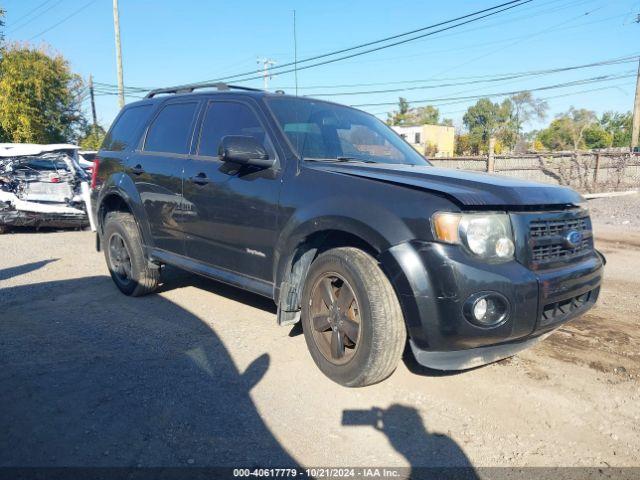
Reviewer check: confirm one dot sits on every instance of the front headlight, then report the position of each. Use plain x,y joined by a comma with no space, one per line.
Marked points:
486,235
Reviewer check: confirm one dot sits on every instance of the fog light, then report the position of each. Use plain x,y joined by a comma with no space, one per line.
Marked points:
480,309
486,309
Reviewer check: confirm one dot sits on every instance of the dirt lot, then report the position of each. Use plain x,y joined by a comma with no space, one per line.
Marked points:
200,374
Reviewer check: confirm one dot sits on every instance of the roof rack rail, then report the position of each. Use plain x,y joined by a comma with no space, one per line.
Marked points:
190,88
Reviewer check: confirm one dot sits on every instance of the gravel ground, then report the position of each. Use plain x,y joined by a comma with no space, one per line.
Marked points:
621,212
200,374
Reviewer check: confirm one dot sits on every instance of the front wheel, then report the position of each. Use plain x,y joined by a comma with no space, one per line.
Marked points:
351,317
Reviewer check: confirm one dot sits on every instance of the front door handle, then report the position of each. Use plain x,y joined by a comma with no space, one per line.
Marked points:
137,170
200,179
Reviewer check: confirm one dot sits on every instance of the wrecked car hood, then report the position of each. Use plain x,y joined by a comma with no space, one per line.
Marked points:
31,149
467,188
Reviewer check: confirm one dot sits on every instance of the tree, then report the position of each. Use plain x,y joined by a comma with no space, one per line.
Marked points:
92,137
486,119
525,109
557,135
413,116
1,27
578,121
597,137
463,144
618,125
39,97
568,130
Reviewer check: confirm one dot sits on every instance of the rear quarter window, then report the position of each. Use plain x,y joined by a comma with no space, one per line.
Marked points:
125,132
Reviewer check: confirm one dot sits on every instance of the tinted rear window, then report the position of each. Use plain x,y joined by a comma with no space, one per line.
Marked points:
125,132
170,132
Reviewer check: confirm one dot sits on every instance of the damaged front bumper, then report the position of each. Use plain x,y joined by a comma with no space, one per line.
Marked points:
42,186
21,218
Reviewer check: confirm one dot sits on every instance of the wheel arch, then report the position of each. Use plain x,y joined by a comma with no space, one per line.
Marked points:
120,194
307,242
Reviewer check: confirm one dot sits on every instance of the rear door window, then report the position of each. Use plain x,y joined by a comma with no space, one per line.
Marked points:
126,131
171,130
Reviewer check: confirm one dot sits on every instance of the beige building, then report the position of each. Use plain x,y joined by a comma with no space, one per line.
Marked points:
427,138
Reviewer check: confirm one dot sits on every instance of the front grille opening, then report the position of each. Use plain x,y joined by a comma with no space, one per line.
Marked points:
547,228
547,240
550,252
554,312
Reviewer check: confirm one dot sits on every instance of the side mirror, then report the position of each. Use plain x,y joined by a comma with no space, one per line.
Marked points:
244,150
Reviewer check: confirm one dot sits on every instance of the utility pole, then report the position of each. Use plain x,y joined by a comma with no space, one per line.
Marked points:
116,27
93,104
635,130
266,64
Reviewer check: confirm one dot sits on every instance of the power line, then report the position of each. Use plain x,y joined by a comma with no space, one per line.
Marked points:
586,81
485,79
480,78
493,11
580,92
450,51
491,25
40,5
29,20
73,14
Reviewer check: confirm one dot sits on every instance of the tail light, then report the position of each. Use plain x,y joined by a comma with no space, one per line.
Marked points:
94,173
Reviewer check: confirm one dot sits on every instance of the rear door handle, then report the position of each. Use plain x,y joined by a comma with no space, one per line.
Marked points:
137,170
201,179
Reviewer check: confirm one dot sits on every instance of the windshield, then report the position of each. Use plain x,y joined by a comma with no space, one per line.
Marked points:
325,131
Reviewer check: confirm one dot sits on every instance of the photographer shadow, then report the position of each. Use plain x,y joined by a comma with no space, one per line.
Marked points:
91,378
429,454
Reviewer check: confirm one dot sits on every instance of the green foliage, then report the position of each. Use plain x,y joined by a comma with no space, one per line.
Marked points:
526,108
39,97
463,145
568,130
486,119
92,138
597,137
1,28
556,136
406,116
619,126
504,120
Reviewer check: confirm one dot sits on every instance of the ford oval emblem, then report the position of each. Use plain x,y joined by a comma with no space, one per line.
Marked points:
573,238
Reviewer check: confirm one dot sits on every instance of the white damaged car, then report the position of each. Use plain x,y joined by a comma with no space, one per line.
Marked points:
43,186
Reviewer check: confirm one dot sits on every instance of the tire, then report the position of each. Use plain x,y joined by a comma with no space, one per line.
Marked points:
381,334
139,278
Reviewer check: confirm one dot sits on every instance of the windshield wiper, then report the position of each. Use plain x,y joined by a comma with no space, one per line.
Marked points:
339,159
353,159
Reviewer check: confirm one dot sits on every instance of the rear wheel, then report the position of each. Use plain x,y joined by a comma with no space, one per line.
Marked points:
352,321
125,257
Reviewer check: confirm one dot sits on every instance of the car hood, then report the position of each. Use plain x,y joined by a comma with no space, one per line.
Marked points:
467,188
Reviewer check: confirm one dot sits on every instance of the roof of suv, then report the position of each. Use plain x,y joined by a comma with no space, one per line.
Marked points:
218,87
162,94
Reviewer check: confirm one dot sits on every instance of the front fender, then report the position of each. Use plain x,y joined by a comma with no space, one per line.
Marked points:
375,225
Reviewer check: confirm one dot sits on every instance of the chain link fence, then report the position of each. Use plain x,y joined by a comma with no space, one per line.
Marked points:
586,172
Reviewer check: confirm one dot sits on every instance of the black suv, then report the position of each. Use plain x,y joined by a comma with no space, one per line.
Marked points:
333,215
